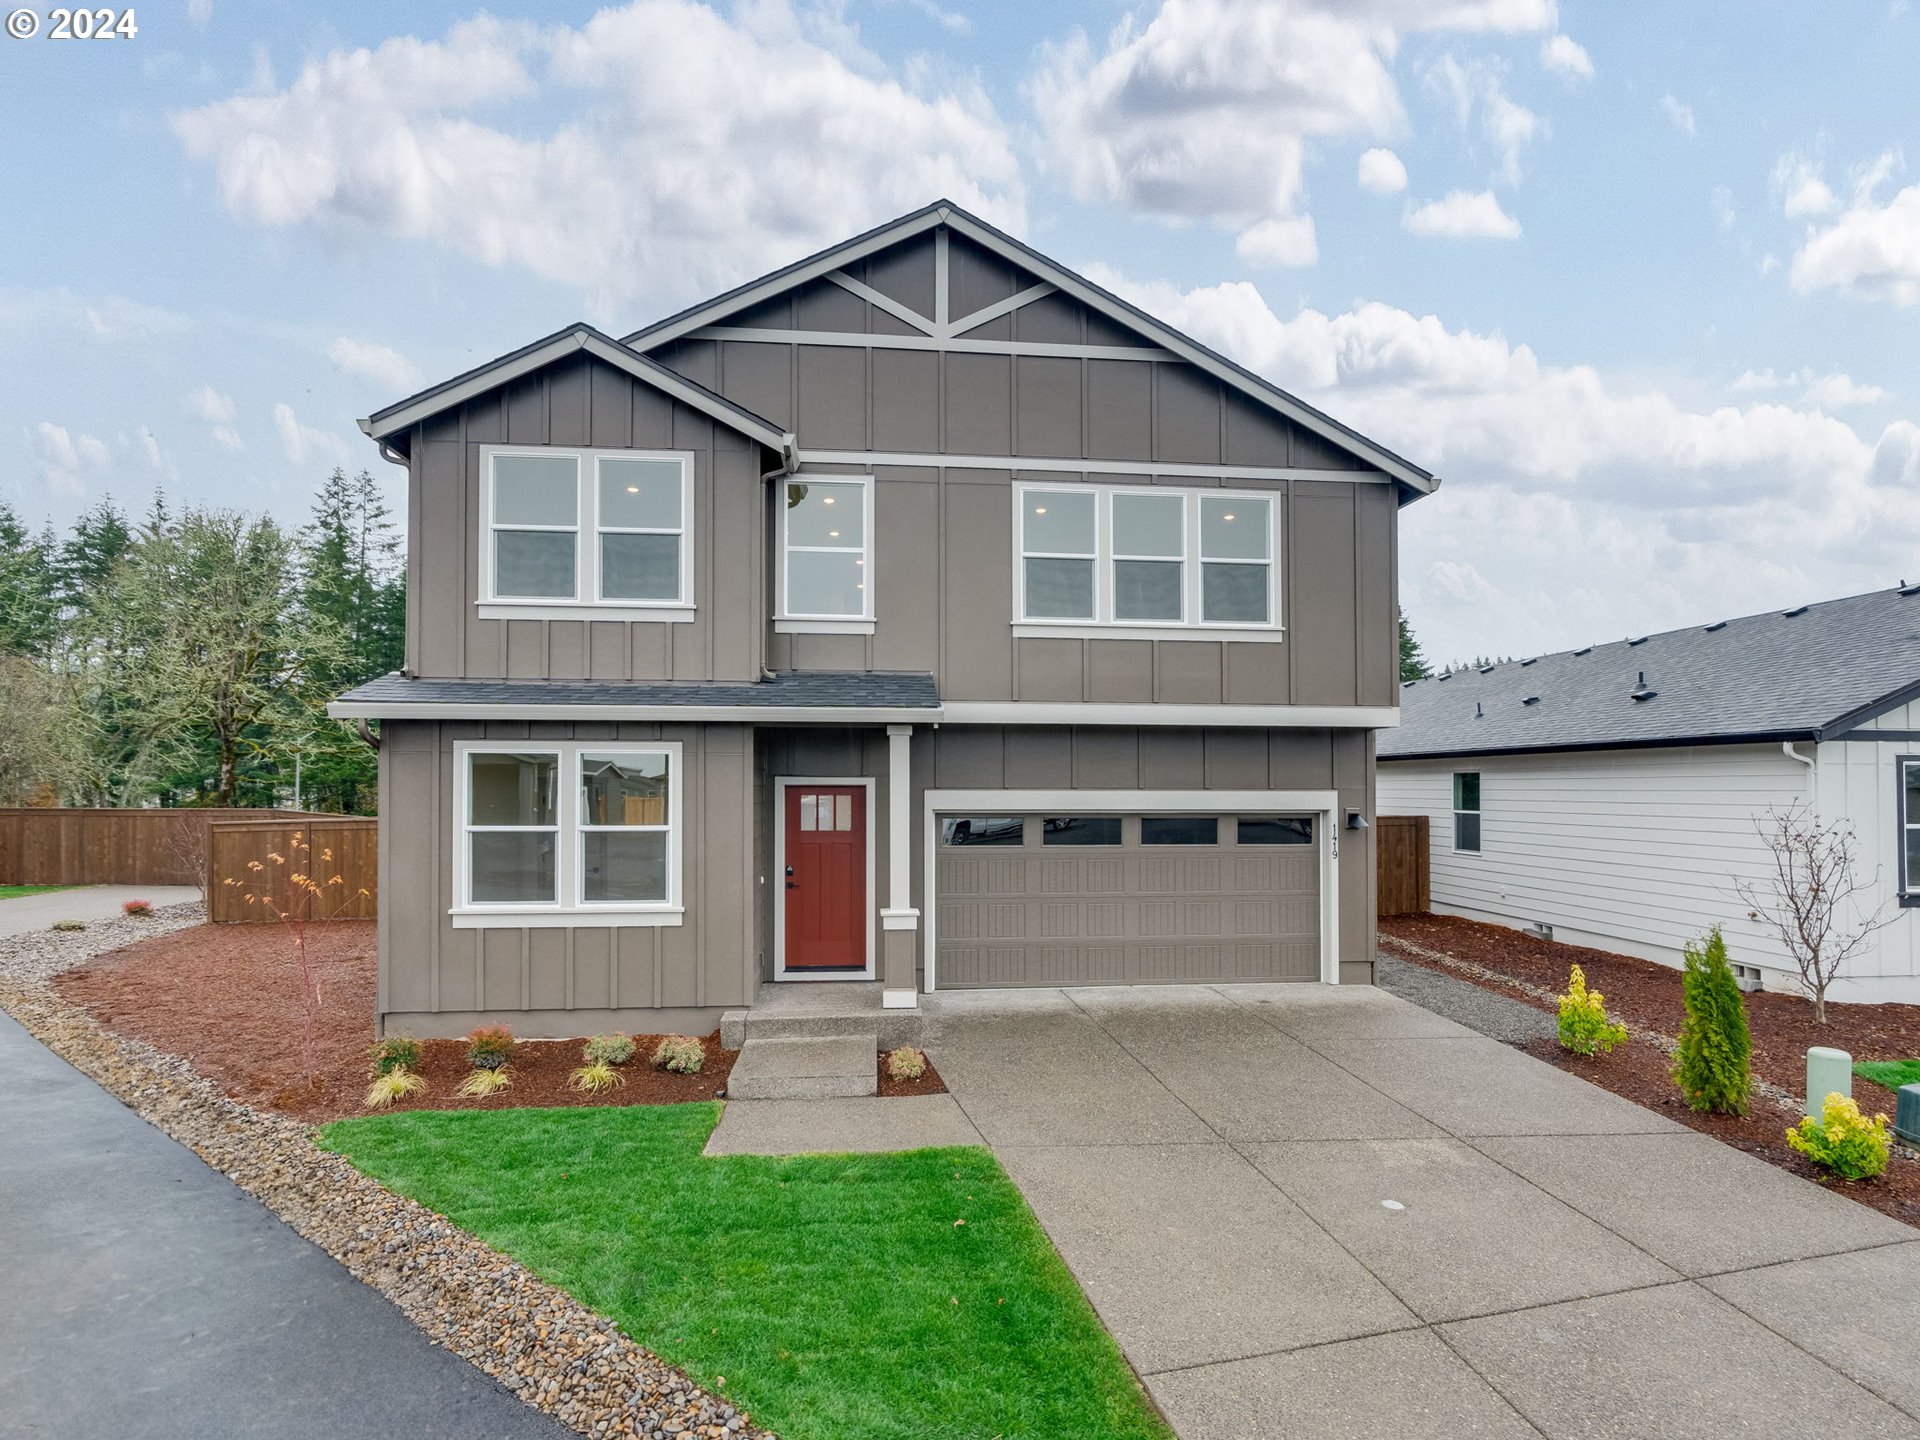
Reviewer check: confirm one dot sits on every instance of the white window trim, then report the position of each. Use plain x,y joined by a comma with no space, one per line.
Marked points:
799,622
782,784
1908,887
1479,811
585,602
567,909
1103,624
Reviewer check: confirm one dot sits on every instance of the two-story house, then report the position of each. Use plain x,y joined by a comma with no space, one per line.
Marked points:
919,613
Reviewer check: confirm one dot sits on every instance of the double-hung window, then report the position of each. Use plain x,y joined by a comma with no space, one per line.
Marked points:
826,553
568,833
1908,767
1158,561
1466,810
604,530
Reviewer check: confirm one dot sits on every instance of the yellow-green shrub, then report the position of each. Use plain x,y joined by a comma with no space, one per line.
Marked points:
1584,1026
682,1054
1842,1141
906,1063
391,1085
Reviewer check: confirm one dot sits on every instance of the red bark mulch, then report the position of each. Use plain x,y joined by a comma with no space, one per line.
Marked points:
1649,995
928,1084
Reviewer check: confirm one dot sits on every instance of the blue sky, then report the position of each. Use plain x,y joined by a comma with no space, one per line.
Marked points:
1642,283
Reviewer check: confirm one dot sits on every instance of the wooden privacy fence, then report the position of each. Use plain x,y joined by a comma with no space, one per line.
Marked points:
1401,844
109,847
321,846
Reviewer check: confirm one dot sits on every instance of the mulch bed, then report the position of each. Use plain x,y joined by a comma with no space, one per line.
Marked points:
1649,995
227,998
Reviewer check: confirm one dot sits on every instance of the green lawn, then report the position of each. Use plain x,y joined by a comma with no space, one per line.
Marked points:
1890,1073
836,1294
11,892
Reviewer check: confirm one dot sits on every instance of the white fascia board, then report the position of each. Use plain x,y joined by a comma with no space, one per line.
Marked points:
1134,801
485,710
929,460
619,356
1267,717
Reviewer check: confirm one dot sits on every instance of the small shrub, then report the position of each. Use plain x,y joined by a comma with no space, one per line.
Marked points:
682,1054
391,1085
1584,1026
489,1047
608,1050
596,1077
1842,1141
906,1063
69,925
484,1082
396,1052
136,907
1713,1065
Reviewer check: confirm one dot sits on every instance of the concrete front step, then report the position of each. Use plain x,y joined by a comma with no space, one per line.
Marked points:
815,1068
820,1011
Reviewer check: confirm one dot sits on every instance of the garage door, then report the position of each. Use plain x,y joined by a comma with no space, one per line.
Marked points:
1125,899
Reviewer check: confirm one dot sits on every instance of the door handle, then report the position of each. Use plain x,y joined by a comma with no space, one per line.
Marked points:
790,884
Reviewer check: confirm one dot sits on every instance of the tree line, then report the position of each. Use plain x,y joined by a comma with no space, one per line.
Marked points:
187,658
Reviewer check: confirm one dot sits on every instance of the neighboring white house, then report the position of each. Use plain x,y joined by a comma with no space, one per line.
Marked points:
1610,793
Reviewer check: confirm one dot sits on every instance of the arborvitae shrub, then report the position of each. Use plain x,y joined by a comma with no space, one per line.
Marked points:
1712,1065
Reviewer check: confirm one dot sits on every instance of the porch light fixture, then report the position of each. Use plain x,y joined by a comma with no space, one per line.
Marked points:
1356,821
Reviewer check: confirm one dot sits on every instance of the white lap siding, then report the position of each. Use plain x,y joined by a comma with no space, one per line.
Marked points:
1858,778
1629,850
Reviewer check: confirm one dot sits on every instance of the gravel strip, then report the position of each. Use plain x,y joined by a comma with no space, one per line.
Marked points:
535,1339
1499,1017
1490,1019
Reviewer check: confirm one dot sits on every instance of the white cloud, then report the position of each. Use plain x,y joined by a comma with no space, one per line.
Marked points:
305,442
1479,86
1284,240
1381,172
66,458
1798,185
1751,380
673,175
1870,249
1463,215
1566,56
1577,496
1837,392
199,12
1721,199
1681,114
381,364
1204,110
216,410
150,447
951,21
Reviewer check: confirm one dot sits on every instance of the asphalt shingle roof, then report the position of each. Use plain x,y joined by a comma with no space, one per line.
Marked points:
823,689
1802,673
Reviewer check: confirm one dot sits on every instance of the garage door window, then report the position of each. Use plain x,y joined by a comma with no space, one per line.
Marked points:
983,830
1179,830
1081,830
1276,830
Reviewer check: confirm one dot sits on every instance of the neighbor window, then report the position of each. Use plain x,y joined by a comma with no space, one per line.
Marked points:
1910,827
1179,830
587,527
827,555
1466,810
983,830
1147,557
1080,830
1276,830
569,829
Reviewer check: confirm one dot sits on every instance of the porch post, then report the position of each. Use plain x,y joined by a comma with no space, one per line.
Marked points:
899,921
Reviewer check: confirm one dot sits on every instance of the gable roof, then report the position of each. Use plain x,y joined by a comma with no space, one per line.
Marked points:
580,336
945,212
1809,673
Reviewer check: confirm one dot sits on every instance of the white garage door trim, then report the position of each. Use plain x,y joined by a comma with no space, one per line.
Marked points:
1324,805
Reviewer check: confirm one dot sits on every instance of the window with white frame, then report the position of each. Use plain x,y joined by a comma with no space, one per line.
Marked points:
1155,557
569,829
587,527
1909,858
1466,810
826,549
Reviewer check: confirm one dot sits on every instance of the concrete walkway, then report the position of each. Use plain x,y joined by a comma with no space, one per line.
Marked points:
22,913
149,1298
1331,1213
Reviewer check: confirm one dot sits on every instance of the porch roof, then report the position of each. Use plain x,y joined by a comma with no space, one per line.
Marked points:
815,696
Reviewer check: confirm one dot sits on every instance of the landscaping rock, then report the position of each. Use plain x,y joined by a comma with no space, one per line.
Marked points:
546,1347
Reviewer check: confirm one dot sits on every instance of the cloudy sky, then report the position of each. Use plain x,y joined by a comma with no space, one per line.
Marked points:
1642,283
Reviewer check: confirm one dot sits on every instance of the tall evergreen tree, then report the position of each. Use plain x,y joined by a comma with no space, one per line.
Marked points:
100,538
1413,664
28,599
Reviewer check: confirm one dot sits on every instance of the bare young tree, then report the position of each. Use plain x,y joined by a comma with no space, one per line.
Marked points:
1812,898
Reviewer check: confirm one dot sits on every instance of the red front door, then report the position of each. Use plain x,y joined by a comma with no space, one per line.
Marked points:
826,879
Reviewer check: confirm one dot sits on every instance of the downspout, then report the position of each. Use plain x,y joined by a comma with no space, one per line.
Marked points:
1786,749
789,462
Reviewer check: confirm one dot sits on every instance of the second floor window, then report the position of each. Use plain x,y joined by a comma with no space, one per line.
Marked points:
1159,558
587,527
826,557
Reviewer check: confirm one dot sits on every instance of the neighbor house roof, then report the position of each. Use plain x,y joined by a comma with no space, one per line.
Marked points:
867,696
945,212
1812,672
579,336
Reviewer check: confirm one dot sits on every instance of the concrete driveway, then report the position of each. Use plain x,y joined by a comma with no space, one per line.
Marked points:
21,913
1330,1213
